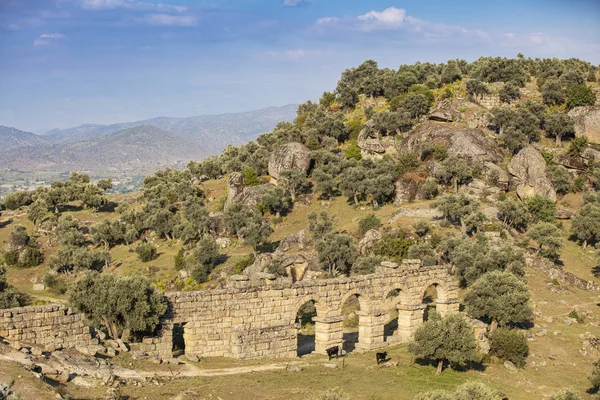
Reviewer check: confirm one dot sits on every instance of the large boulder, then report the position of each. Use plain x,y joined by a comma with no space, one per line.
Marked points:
369,241
470,145
369,141
409,188
587,122
294,156
528,168
238,193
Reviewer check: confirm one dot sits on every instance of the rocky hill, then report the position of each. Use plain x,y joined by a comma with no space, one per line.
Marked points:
12,138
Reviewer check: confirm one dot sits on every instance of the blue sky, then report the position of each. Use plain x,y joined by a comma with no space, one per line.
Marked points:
68,62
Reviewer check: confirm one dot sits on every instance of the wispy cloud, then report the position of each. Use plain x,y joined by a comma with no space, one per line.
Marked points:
295,3
396,19
46,39
130,4
295,54
169,20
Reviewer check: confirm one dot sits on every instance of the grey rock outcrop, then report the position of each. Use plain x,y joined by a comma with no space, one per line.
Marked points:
290,156
587,122
470,145
529,170
369,141
238,193
369,241
409,188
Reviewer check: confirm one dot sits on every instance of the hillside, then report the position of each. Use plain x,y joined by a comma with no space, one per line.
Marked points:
488,168
11,138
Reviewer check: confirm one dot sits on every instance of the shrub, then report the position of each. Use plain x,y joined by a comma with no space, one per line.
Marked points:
55,284
146,252
580,95
365,265
367,223
242,264
510,345
565,394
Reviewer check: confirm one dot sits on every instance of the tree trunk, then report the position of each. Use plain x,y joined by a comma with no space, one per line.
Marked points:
125,334
463,227
455,183
278,214
494,325
440,366
293,195
585,244
558,141
355,200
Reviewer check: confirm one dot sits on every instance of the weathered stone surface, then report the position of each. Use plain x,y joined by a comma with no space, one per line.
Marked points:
39,287
290,156
409,188
510,366
529,169
369,141
430,213
238,193
496,175
223,242
556,272
563,213
587,122
369,241
470,145
591,154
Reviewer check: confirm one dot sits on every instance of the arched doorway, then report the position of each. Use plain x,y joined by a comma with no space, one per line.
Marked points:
305,342
351,322
429,300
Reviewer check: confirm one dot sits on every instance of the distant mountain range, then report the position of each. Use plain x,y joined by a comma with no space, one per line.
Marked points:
138,147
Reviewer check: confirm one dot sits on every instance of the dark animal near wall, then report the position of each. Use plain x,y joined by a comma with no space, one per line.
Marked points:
381,357
333,351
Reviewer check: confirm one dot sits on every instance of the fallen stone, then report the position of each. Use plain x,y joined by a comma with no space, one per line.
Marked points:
36,351
193,358
510,366
330,365
124,347
39,287
294,368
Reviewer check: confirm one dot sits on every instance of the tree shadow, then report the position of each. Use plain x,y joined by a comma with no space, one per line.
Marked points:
69,208
390,328
269,247
468,366
222,259
6,223
596,271
350,340
108,207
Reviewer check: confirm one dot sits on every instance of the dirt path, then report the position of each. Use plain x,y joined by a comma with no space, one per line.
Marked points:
190,370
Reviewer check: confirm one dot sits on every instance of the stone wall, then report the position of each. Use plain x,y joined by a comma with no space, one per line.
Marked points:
50,326
255,322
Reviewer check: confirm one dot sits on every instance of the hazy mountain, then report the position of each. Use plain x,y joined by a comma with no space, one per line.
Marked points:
212,132
11,138
139,149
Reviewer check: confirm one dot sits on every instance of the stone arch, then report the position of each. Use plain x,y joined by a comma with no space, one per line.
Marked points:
364,301
446,297
305,335
390,306
319,305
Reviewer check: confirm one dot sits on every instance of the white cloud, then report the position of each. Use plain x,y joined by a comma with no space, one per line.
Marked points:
131,4
295,3
46,39
295,54
326,20
389,18
169,20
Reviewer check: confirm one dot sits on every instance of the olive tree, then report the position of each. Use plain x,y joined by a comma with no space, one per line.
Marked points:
447,340
122,305
500,297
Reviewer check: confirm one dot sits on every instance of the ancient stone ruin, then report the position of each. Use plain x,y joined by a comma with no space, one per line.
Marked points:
247,321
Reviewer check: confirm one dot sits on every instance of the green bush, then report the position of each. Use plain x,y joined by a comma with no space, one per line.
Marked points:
509,345
55,284
367,223
146,252
242,264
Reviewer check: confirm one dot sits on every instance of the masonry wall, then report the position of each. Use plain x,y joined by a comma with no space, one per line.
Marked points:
49,326
246,321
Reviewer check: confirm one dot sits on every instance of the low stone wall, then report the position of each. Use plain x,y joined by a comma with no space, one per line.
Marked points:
50,326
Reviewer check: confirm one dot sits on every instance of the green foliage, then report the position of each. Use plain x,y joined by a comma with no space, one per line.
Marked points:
541,209
55,284
445,340
295,182
320,225
251,177
242,264
476,88
580,95
586,223
327,99
423,252
365,265
72,258
451,72
13,201
367,223
9,297
37,211
394,245
354,126
548,237
336,252
578,146
509,344
466,391
146,251
565,394
455,171
430,188
422,228
204,258
595,377
513,214
499,296
332,394
353,151
20,250
560,178
509,92
558,124
472,259
276,201
122,305
179,261
247,224
456,208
